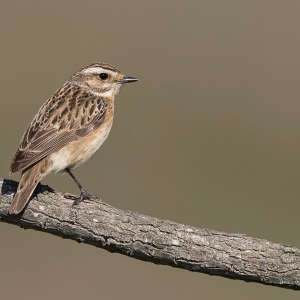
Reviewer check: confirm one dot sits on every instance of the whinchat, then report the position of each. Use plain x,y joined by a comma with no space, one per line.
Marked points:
68,129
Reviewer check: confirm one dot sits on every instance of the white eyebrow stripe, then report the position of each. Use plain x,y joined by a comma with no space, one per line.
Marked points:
96,70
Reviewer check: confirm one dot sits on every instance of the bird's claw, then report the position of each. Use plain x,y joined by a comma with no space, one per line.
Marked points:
83,196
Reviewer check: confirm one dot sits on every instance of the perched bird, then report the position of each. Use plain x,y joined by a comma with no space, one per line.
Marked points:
68,129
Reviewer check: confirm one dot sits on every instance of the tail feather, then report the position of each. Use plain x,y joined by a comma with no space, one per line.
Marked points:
21,198
29,180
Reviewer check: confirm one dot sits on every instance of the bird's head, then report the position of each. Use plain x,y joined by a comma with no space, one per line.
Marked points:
101,79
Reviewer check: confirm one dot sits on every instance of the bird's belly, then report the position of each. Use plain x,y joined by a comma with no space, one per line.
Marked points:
78,152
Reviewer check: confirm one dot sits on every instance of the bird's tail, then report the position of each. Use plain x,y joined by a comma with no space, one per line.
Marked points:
29,180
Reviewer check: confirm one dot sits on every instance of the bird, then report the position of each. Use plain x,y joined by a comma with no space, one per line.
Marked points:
67,130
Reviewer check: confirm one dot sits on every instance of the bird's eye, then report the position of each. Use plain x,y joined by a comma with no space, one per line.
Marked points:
103,76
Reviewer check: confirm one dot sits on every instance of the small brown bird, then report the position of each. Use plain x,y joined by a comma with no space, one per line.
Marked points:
68,129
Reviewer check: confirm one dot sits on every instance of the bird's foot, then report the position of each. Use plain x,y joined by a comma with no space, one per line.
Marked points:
85,195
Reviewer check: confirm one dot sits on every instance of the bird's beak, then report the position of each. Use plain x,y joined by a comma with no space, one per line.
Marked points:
127,79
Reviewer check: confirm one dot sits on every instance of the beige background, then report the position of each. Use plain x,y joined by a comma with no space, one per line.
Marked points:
208,137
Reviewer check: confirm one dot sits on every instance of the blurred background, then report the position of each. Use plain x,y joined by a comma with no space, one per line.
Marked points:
209,137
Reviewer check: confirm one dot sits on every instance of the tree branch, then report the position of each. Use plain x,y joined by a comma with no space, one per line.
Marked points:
234,256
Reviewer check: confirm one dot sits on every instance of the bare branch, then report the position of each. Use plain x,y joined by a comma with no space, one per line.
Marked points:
234,256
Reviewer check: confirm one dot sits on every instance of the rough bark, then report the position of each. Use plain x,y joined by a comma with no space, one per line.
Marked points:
234,256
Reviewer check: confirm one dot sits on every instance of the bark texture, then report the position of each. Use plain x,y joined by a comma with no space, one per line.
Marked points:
234,256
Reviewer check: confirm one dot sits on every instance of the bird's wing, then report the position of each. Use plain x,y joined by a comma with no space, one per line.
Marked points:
68,115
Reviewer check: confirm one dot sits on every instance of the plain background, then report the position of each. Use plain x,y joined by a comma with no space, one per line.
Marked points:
209,136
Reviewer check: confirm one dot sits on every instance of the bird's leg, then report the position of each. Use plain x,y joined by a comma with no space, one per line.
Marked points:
83,193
